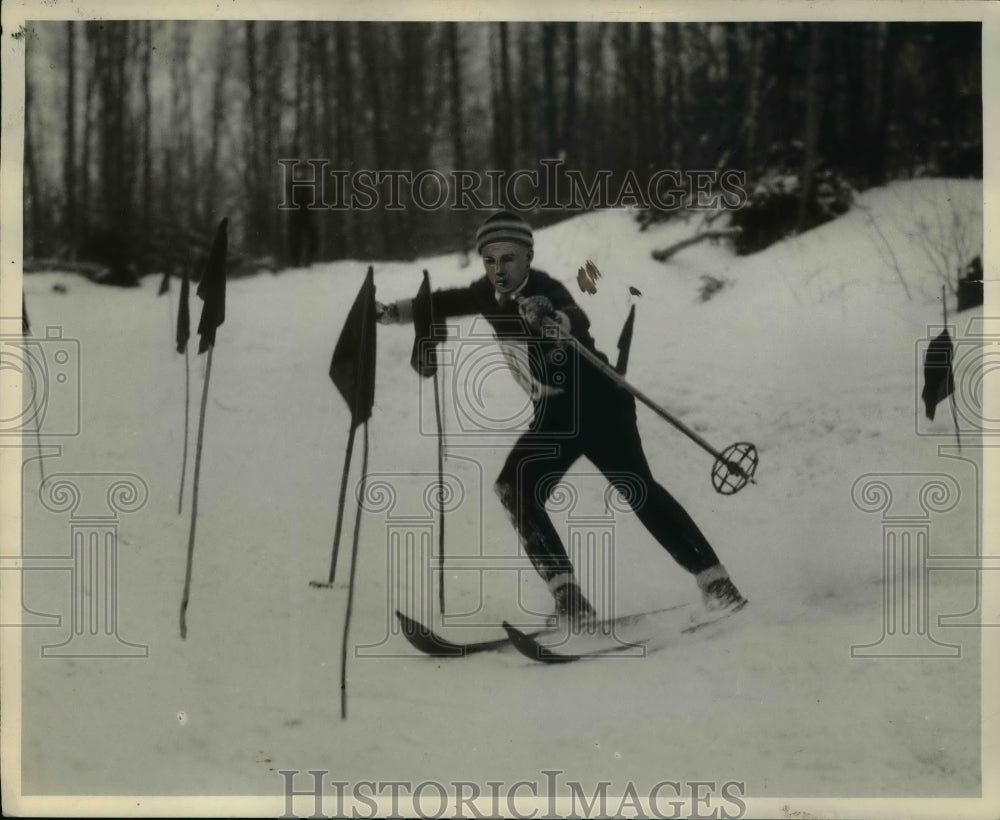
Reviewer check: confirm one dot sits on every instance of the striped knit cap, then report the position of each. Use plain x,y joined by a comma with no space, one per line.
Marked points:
504,226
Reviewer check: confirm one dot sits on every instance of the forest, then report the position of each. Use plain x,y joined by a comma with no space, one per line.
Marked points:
140,135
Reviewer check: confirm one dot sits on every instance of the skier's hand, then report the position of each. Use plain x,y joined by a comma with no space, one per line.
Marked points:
386,314
536,309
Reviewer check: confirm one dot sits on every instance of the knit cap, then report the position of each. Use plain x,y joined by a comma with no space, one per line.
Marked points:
504,226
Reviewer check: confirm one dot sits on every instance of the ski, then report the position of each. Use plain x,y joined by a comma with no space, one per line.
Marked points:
430,643
529,646
425,640
711,621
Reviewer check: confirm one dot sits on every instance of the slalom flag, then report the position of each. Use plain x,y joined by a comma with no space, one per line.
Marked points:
424,360
212,288
423,357
939,381
164,284
625,342
184,314
25,322
352,368
352,371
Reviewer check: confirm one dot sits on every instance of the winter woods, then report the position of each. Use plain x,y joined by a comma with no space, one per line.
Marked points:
140,132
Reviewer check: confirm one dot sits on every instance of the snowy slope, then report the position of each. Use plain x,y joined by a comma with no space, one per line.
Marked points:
809,351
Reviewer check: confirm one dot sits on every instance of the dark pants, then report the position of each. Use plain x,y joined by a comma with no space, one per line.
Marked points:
606,433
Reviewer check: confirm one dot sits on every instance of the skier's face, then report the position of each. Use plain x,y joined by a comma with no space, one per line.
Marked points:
506,264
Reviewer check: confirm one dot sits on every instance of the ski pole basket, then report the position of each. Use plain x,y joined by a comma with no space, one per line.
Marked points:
734,467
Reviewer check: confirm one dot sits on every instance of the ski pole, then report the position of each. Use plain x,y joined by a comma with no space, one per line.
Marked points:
738,459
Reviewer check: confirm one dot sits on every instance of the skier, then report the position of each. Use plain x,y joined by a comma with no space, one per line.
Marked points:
578,411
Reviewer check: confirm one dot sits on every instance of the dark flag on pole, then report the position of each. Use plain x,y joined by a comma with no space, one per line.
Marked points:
625,342
423,357
184,314
212,288
939,381
164,284
352,371
352,368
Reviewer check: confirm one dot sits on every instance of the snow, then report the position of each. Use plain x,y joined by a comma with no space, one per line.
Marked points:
810,351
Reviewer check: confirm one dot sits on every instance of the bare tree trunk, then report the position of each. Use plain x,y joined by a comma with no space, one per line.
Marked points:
455,88
328,244
372,51
625,96
147,128
752,99
35,231
645,122
878,140
254,171
569,142
592,148
503,119
346,126
212,176
90,82
550,114
735,96
811,136
678,99
299,88
69,160
189,154
525,135
455,108
273,107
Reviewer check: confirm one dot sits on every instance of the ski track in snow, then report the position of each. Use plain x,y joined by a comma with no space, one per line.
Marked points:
809,351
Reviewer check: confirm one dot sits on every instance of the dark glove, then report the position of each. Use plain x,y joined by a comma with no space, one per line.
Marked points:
386,314
535,309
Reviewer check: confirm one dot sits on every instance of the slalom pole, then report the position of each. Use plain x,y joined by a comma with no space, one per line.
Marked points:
723,461
194,498
439,417
187,424
183,336
341,501
362,483
363,354
356,412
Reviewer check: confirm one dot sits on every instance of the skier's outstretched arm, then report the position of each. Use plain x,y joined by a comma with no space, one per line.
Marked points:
444,303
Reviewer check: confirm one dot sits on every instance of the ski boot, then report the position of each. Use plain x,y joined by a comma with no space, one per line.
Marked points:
718,593
721,596
572,607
